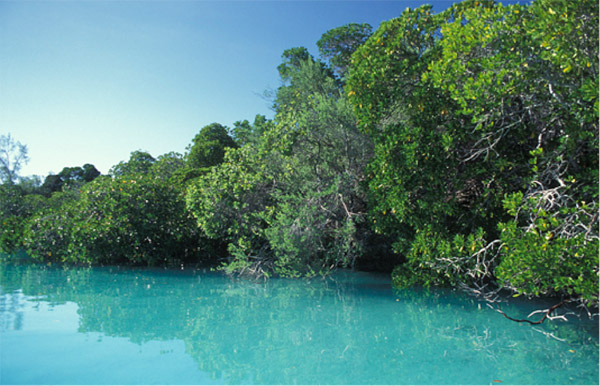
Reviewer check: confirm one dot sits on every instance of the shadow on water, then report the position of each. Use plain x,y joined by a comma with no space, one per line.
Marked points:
348,328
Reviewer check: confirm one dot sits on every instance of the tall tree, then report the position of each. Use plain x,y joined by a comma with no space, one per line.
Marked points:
52,183
69,176
245,133
13,155
89,173
338,44
291,203
209,145
292,59
139,162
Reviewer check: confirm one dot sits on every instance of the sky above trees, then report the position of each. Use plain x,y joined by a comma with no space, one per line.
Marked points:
92,81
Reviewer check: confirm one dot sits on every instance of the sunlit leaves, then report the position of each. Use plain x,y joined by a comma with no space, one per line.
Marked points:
133,219
480,113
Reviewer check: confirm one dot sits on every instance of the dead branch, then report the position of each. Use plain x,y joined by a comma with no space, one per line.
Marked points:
546,315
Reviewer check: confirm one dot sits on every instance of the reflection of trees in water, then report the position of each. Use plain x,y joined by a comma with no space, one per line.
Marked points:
11,310
351,328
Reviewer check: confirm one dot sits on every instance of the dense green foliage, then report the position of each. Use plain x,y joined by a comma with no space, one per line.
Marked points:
289,202
337,45
135,219
15,209
464,144
72,176
485,122
208,147
137,216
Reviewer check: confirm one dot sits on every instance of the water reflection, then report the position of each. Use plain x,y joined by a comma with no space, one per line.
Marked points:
11,311
348,329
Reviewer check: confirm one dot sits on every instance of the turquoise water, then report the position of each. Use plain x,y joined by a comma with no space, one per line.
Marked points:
140,326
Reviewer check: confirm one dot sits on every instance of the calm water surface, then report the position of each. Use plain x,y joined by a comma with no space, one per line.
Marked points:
138,326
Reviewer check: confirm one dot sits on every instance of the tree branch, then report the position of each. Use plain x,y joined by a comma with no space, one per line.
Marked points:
547,313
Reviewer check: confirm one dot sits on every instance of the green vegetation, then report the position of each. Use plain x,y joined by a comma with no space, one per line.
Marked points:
290,202
461,147
485,124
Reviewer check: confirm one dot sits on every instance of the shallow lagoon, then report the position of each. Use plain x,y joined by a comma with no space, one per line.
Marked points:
61,325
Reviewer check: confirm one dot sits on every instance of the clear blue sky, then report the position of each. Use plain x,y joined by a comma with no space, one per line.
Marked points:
92,81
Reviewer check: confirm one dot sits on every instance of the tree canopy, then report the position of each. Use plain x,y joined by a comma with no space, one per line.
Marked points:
338,44
209,145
